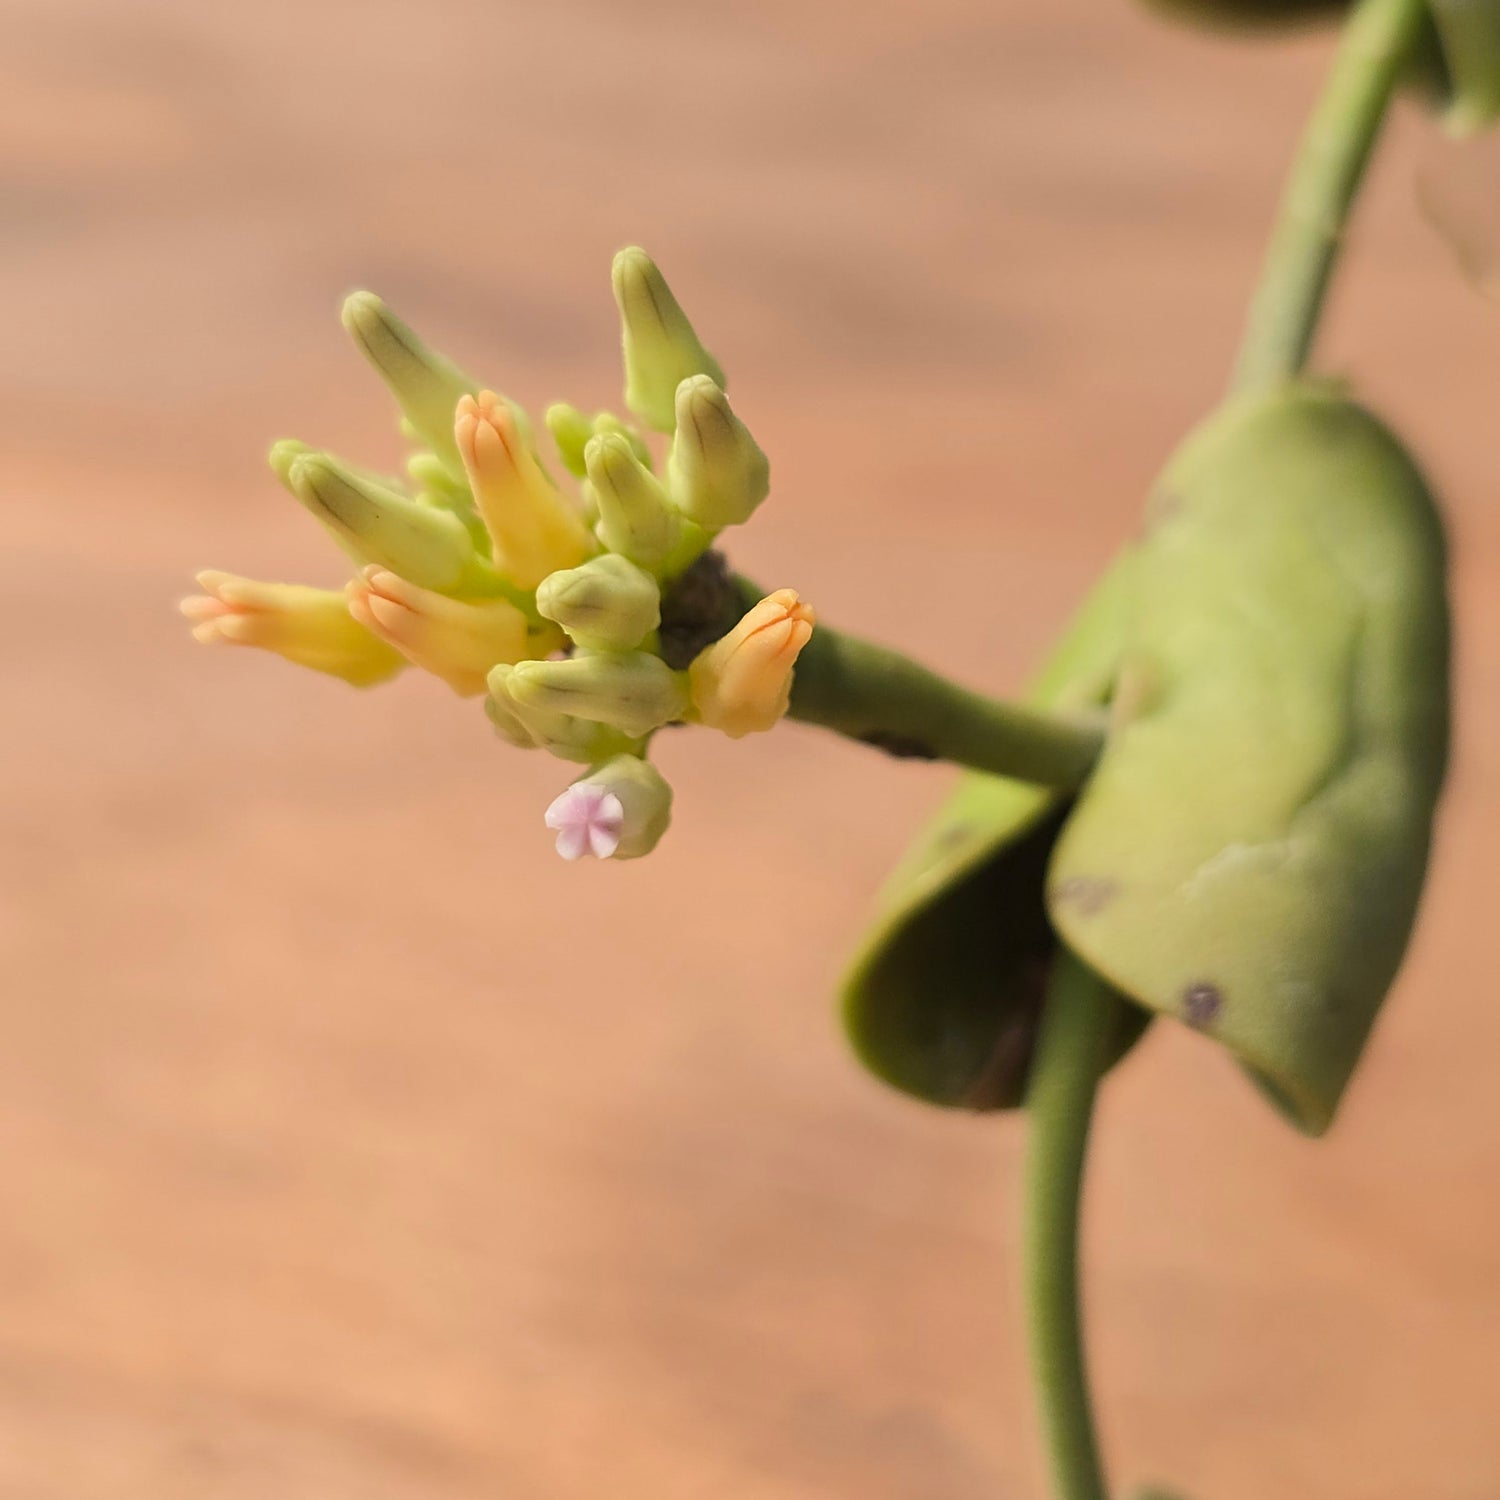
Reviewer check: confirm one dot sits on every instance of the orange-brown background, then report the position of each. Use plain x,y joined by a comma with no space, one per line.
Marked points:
354,1148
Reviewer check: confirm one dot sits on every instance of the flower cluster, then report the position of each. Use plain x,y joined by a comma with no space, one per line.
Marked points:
482,570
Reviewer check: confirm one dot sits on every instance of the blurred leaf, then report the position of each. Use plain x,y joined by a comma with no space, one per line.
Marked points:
1458,188
942,1001
1249,853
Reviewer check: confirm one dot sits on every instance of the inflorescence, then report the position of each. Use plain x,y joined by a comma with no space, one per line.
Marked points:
482,570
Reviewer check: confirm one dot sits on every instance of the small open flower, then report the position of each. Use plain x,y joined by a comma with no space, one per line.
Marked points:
742,684
619,811
312,627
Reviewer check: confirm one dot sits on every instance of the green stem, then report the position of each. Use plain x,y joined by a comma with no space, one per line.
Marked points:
882,698
1325,178
1076,1024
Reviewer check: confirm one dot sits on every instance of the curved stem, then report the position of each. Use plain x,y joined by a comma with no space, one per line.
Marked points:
882,698
1325,178
1076,1024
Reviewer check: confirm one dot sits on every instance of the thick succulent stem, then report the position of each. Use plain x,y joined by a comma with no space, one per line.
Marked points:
1325,179
1077,1022
879,697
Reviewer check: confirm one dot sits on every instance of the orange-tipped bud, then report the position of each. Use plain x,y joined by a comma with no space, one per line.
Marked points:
455,639
535,528
742,683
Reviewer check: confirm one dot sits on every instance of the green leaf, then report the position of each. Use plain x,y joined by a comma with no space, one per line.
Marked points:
1249,853
942,1000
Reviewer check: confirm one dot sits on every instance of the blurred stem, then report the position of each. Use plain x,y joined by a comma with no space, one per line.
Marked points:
1077,1021
1326,174
881,698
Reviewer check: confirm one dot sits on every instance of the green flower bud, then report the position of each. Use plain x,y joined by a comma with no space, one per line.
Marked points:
633,692
502,714
376,524
426,386
605,604
661,349
608,422
717,473
283,455
432,477
531,725
571,431
636,516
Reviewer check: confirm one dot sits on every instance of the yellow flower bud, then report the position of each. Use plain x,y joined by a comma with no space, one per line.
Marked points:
606,604
632,691
716,472
311,627
454,639
424,383
742,684
661,349
636,516
536,529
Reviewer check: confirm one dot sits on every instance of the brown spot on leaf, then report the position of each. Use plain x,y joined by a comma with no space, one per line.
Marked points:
1088,895
1201,1003
952,836
1161,506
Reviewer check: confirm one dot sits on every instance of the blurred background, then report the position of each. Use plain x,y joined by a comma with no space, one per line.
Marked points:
355,1148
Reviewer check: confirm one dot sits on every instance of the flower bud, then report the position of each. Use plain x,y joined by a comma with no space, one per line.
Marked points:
565,735
717,473
742,684
535,528
607,423
454,639
283,455
426,386
633,692
605,604
661,349
311,627
507,723
636,516
432,477
618,811
374,523
571,431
